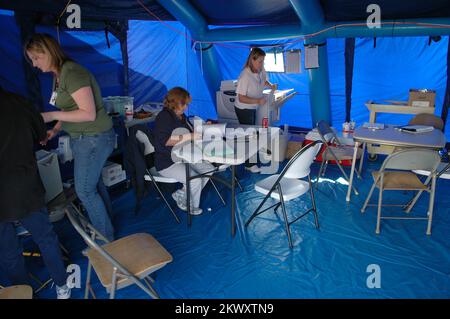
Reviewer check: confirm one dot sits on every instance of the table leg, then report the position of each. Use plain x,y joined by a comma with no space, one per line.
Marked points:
361,160
352,172
188,194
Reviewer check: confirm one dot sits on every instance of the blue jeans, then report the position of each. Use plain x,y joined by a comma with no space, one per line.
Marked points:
90,153
11,259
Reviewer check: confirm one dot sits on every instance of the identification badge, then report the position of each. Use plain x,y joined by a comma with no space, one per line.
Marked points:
53,98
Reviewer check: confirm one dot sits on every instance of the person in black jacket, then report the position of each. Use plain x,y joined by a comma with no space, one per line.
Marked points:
171,128
22,193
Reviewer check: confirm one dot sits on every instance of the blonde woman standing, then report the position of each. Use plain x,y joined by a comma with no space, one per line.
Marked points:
81,114
251,83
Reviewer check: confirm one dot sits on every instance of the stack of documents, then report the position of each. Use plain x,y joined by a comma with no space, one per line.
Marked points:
374,126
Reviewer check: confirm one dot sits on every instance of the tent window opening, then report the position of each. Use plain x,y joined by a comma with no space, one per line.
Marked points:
274,61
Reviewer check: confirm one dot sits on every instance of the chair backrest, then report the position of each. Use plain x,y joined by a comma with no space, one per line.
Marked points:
149,149
412,159
143,138
427,119
300,163
326,133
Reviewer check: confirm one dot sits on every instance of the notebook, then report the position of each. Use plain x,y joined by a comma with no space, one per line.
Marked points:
416,128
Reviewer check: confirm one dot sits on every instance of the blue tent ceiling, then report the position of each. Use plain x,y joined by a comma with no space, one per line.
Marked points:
349,10
241,12
238,12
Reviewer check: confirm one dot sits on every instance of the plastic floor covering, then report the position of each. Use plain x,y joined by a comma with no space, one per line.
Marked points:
344,259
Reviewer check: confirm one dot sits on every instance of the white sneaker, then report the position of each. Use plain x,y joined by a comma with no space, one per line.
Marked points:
63,292
253,169
178,195
194,210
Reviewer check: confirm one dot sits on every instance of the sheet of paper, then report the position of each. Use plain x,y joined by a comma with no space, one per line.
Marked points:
311,57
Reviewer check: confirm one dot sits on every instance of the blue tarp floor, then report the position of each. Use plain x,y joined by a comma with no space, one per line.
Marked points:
257,263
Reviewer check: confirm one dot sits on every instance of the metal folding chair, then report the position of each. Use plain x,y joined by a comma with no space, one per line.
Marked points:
396,174
288,185
123,262
427,119
336,153
16,292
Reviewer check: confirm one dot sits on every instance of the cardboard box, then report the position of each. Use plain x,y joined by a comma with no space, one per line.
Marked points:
421,98
114,179
48,167
294,144
111,169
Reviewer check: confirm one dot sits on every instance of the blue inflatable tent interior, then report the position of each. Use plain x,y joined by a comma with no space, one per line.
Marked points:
143,48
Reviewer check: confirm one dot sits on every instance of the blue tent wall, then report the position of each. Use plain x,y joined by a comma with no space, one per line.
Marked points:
161,58
296,111
388,71
12,76
89,48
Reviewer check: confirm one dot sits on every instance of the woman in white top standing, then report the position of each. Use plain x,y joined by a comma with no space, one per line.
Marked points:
251,83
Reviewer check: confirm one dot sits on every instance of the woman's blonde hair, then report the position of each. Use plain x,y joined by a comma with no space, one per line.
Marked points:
176,97
44,43
255,53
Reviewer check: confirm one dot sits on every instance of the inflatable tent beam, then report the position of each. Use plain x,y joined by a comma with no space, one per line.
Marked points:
311,18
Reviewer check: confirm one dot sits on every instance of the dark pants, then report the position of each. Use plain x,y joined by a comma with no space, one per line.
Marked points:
247,117
11,259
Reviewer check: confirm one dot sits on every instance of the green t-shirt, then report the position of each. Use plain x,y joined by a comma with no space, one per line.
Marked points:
73,77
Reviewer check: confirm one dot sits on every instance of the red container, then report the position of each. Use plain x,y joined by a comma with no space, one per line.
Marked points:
265,122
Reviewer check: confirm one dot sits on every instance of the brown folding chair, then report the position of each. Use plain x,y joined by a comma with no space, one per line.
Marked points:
16,292
427,119
123,262
396,173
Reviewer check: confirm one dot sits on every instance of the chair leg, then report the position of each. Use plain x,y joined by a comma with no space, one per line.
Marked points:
113,284
346,177
380,200
255,213
361,160
238,183
313,201
368,198
275,210
286,223
88,280
218,193
149,286
165,200
431,205
324,168
320,173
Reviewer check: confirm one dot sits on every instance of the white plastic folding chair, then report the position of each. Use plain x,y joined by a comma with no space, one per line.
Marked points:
153,175
289,185
396,173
